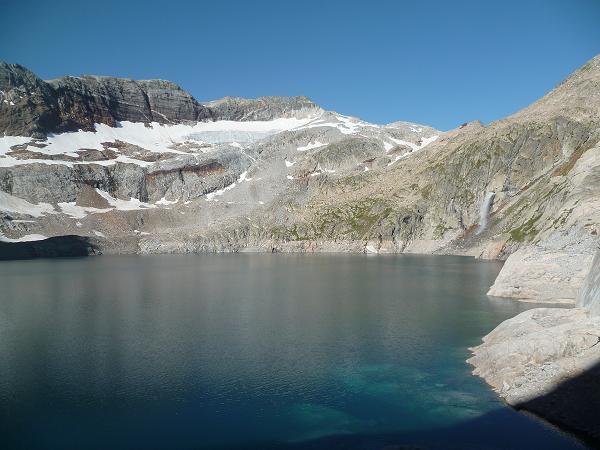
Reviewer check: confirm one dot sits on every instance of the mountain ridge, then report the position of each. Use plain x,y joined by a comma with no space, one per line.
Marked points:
70,103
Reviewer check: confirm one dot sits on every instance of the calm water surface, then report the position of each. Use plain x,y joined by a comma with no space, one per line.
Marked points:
254,352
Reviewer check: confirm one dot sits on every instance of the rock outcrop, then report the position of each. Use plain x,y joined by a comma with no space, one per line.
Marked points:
547,360
589,295
87,100
262,108
30,106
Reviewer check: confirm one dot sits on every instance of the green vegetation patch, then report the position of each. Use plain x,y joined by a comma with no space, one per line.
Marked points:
527,231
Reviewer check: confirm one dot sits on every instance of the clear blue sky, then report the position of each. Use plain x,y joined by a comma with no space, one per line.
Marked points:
435,62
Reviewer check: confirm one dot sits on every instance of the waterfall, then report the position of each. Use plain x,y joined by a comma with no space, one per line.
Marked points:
484,211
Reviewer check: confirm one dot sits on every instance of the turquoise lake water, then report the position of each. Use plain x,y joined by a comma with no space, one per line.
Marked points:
253,351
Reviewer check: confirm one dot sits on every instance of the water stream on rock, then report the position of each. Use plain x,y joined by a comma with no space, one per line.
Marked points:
484,212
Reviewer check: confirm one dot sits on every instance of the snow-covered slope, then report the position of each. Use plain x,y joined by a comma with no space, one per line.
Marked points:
242,160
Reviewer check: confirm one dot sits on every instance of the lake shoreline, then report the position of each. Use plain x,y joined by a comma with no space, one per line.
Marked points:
547,361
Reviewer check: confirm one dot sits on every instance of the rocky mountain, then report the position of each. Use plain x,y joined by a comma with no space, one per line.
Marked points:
30,106
141,166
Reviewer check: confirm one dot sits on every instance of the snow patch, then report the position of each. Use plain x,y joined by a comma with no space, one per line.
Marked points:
26,238
79,212
244,177
163,201
210,197
345,124
387,146
154,137
414,147
10,203
133,204
370,249
310,146
6,142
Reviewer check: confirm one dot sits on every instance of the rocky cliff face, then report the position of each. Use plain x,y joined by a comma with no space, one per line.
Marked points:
85,101
30,106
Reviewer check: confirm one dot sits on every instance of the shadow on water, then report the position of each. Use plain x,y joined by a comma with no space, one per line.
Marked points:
59,246
495,426
574,405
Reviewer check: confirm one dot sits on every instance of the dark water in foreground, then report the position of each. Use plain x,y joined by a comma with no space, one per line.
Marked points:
252,351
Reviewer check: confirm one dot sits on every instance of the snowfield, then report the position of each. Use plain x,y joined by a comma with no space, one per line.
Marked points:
10,203
161,138
153,137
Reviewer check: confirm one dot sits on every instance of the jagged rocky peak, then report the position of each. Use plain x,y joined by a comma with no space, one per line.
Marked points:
262,108
87,100
30,106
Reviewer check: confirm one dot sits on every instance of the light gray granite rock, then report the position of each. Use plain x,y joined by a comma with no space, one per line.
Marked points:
538,275
547,360
589,295
261,108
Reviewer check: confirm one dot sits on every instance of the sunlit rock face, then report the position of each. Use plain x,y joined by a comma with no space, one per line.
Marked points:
262,108
589,296
547,360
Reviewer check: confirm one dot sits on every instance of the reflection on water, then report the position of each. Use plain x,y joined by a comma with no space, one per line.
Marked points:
211,351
